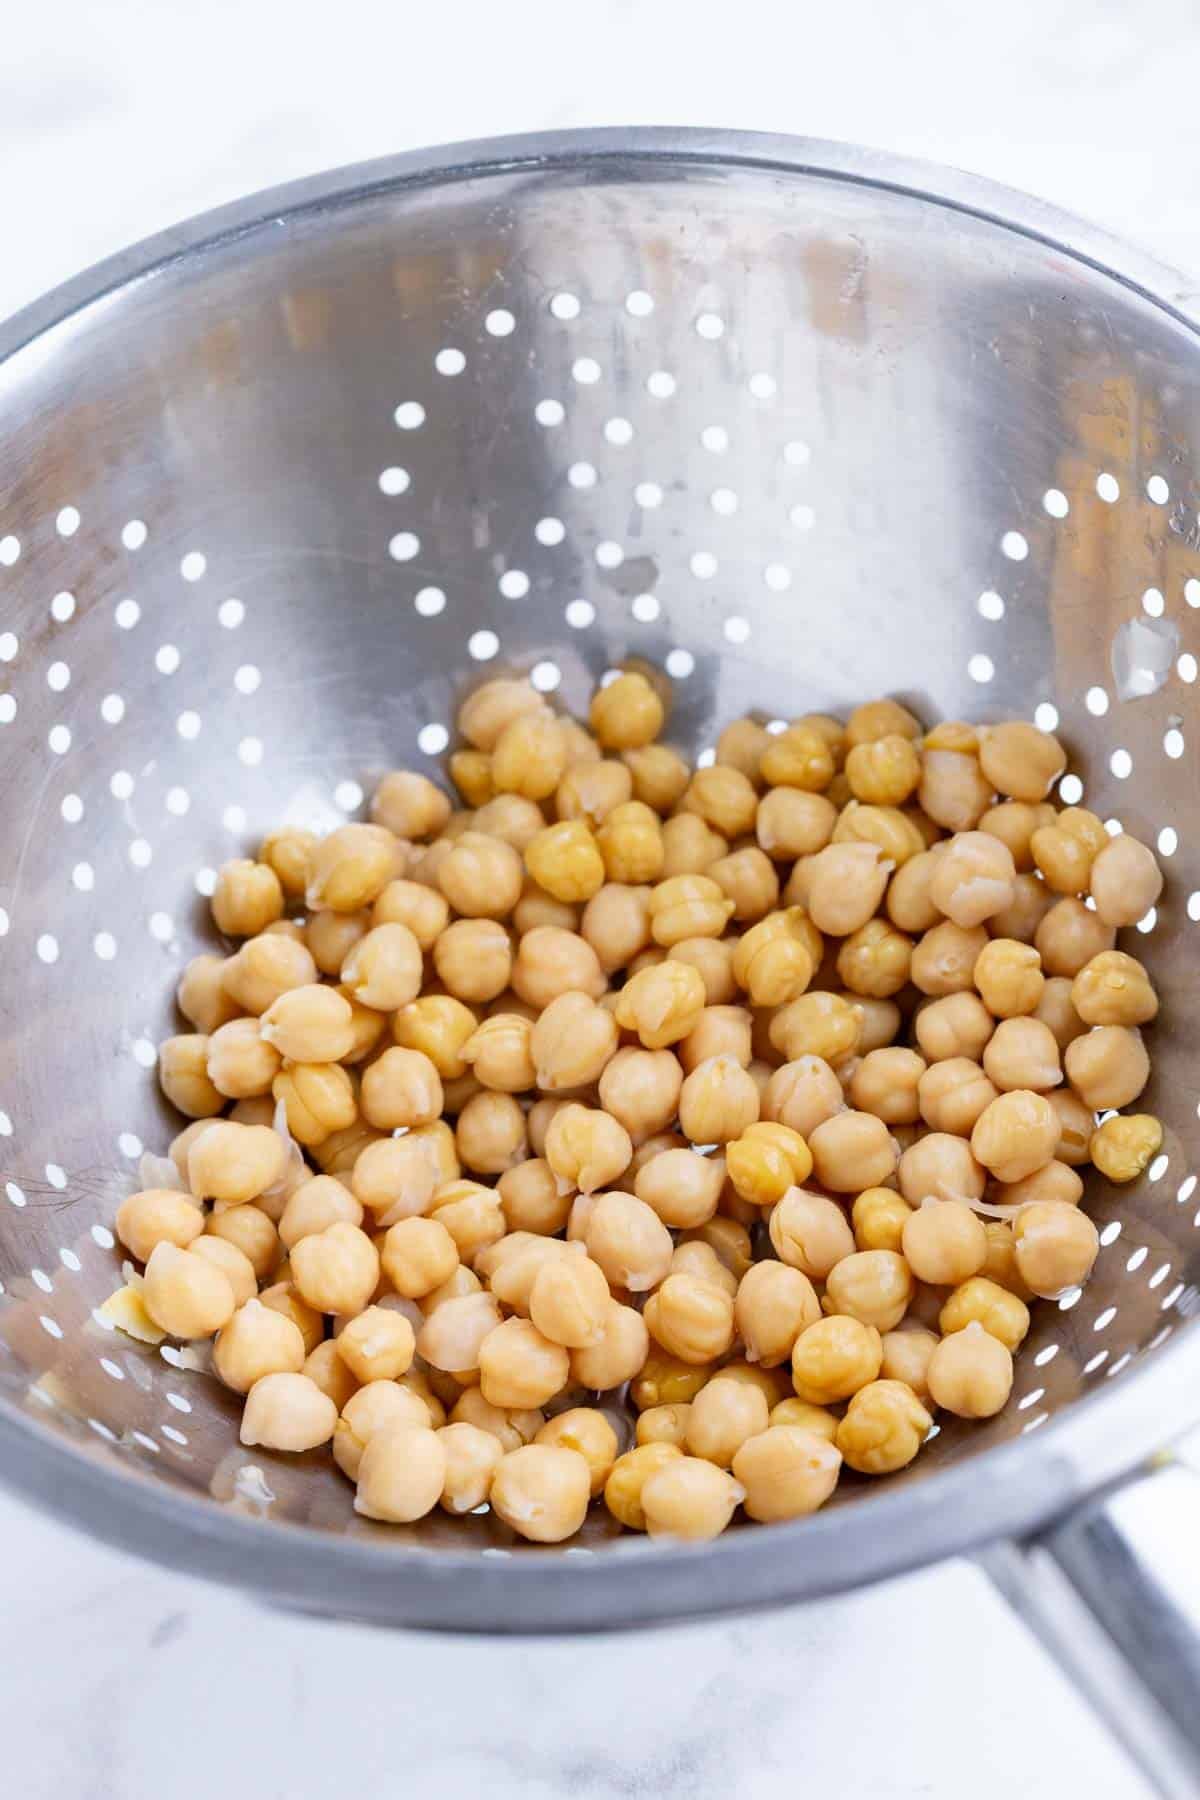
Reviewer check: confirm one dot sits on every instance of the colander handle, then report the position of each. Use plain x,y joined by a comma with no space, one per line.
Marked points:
1113,1593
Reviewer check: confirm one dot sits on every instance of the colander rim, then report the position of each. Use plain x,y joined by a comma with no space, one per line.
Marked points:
1097,1440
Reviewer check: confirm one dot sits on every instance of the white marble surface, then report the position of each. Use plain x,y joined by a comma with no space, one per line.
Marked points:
123,1681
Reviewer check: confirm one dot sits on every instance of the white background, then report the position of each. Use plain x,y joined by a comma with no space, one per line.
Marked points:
116,119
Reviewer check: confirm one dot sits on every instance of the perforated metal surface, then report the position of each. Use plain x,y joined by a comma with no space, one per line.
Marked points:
276,492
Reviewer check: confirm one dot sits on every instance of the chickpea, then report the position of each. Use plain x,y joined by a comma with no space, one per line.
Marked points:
423,911
409,805
630,842
325,1367
551,962
379,1407
835,1357
454,1333
792,822
529,758
1123,1147
970,1373
728,1238
822,1025
351,867
695,1257
717,1101
956,1026
872,1286
256,1342
587,1148
787,1471
664,1425
287,1411
766,1160
973,879
629,1475
616,923
471,1213
692,1319
627,714
1056,1010
986,1303
954,791
721,1418
1009,978
287,852
944,1242
587,1431
309,1024
687,906
418,1255
1021,761
799,757
183,1076
618,1356
235,1163
241,1063
247,898
564,859
568,1301
1014,822
1070,936
774,961
336,1270
484,714
876,719
589,792
690,846
1108,1067
184,1295
1001,1265
875,960
314,1206
628,1241
401,1474
531,1198
748,881
571,1043
282,1297
1065,848
1076,1123
940,1167
481,876
519,1366
265,967
884,1427
1031,901
331,936
661,1004
157,1216
385,969
1125,881
1113,989
252,1232
809,1232
472,1458
1023,1053
690,1499
201,995
908,904
640,1089
378,1345
845,886
1055,1181
885,771
724,798
906,1354
802,1093
1016,1134
887,1083
798,1413
403,1088
852,1151
681,1187
1056,1246
943,962
774,1305
458,1286
660,776
500,1052
878,1217
396,1177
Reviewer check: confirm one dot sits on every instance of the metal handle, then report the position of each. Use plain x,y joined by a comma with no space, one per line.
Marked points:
1113,1592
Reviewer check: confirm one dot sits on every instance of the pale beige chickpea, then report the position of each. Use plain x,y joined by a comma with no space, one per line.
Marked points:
515,821
820,1024
568,1301
1113,989
351,867
852,1151
973,879
457,1286
184,1295
787,1471
511,1266
1108,1067
878,1217
377,1345
409,805
661,1004
184,1078
940,1166
511,1429
1076,1123
616,923
330,937
626,1238
717,1101
944,1242
472,1457
401,1088
687,906
241,1063
741,745
287,1411
721,1418
589,791
748,881
799,757
157,1216
282,1297
265,967
529,758
1055,1180
1016,1134
682,1187
1055,1009
500,1054
791,822
775,960
657,1145
539,1119
384,970
474,959
453,1335
660,776
253,1233
484,714
887,1083
802,1094
1122,1148
640,1089
587,1431
835,1357
202,996
309,1024
1125,881
537,907
907,903
957,1025
943,961
952,1094
846,883
1065,848
1009,978
694,1257
884,1427
235,1163
765,1161
481,876
336,1270
1014,822
970,1373
379,1406
1019,760
690,846
401,1474
619,1354
367,1028
984,1302
587,1148
572,1043
418,1255
1069,936
690,1499
774,1304
395,1177
875,960
520,1367
954,791
1022,1053
664,1425
728,1238
872,1286
691,1318
550,962
324,1366
247,898
287,852
422,910
471,1213
316,1204
531,1198
256,1342
810,1232
906,1354
1056,1246
541,1492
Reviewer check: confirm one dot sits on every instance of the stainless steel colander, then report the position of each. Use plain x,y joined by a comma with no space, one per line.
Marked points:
801,423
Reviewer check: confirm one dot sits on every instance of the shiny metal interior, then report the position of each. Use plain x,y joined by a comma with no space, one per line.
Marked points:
802,424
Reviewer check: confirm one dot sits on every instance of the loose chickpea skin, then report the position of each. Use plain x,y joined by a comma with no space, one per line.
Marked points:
970,1373
1125,881
1108,1067
1123,1147
809,1232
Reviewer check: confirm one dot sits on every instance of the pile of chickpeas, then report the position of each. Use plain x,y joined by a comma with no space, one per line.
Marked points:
664,1136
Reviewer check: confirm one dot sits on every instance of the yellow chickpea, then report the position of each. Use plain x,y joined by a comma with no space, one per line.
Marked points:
944,1242
717,1101
283,1298
748,881
402,1088
336,1270
845,886
241,1063
687,906
973,878
629,1475
884,771
326,1369
587,1148
878,1217
484,714
695,1257
472,1458
661,1004
809,1232
471,1213
660,776
287,852
1108,1067
954,791
409,805
1021,761
1015,1135
1023,1053
875,960
565,860
1113,989
529,758
818,1024
252,1232
499,1051
351,867
396,1177
884,1427
791,822
589,1433
787,1471
378,1345
1076,1123
690,1318
774,961
852,1151
572,1043
833,1358
1014,822
202,996
985,1303
872,1286
908,904
664,1425
970,1373
766,1160
385,968
1124,1146
619,1354
184,1295
589,791
799,757
957,1025
1065,849
628,1241
721,1418
626,714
